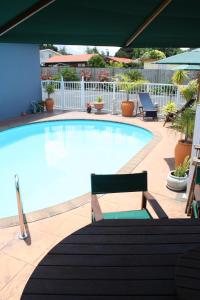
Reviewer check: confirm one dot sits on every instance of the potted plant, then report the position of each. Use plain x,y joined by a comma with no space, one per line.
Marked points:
184,123
99,104
177,179
49,102
88,107
169,108
127,82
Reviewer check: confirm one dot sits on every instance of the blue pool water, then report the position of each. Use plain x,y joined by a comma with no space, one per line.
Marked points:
54,160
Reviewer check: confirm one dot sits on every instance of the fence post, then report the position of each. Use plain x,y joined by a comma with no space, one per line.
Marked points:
114,100
147,87
82,93
62,88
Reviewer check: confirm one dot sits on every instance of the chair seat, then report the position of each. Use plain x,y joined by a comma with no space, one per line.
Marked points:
132,214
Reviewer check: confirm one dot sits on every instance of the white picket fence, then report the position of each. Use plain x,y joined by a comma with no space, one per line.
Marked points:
75,95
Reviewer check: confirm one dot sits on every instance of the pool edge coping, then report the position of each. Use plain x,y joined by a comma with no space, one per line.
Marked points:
85,198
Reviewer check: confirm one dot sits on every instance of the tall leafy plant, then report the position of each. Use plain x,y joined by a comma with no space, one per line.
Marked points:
128,83
179,77
190,90
184,123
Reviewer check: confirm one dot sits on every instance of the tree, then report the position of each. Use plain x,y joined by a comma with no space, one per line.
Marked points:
124,52
171,51
91,50
63,51
139,52
48,46
96,61
154,54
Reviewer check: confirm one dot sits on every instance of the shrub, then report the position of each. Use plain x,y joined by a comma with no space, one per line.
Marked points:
170,107
115,64
103,76
86,74
69,74
134,75
96,61
154,54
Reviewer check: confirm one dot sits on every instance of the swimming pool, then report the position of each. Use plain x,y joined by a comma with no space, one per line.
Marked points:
54,159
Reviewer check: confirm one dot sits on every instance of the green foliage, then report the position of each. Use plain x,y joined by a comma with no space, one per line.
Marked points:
179,77
96,61
154,54
56,77
134,75
63,51
170,107
48,46
91,50
49,89
138,52
190,90
115,64
181,170
37,107
171,51
69,74
125,83
184,123
99,99
124,52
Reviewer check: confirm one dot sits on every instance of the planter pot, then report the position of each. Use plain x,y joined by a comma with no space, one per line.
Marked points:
127,108
175,183
98,106
182,149
49,104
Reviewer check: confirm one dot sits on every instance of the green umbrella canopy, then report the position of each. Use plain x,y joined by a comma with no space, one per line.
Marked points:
189,58
92,22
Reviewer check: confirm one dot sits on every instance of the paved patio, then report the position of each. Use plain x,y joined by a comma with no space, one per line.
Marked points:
19,258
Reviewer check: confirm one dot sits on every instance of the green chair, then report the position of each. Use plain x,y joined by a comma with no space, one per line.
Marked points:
195,212
120,183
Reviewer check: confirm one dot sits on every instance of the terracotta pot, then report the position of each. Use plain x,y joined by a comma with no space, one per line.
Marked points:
98,105
182,149
49,104
127,108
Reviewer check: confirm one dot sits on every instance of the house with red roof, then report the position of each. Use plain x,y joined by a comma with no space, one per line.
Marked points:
69,60
81,60
122,60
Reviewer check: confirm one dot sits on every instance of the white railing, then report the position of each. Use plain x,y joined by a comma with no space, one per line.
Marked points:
74,95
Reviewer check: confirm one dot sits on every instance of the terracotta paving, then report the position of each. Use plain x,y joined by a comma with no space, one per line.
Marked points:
19,258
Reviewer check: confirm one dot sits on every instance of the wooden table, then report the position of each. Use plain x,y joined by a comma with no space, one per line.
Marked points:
187,275
115,260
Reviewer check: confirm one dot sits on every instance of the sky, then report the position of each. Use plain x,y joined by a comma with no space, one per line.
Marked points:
81,49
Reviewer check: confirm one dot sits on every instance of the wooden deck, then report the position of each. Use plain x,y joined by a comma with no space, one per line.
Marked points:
115,260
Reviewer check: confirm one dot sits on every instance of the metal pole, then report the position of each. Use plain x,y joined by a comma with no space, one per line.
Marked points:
22,235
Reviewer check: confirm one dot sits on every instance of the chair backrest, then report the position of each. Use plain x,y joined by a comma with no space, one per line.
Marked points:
146,101
186,105
118,183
